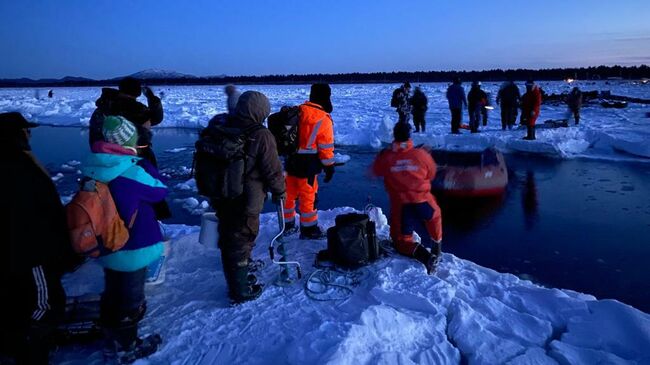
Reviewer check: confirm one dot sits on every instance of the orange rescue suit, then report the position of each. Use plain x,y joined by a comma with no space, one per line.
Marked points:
407,173
315,150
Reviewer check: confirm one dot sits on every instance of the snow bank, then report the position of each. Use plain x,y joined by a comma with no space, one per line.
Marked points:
362,116
396,315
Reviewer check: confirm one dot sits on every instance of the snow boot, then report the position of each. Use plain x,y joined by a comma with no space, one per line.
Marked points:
429,259
240,287
311,233
116,353
290,228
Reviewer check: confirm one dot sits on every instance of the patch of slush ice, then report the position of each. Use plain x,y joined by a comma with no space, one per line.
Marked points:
397,314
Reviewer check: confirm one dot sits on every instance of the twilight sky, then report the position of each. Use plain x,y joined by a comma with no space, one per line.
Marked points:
104,39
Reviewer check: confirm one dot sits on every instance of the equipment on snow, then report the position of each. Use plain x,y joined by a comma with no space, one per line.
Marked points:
284,127
283,262
220,161
352,242
94,224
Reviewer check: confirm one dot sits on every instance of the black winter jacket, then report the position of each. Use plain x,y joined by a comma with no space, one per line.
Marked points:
35,230
113,102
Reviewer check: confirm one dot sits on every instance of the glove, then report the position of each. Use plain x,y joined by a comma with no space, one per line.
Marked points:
329,173
148,93
278,198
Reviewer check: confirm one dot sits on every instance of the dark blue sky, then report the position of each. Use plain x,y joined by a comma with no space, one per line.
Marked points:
103,39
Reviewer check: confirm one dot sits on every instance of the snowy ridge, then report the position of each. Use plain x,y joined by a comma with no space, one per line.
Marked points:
362,116
397,314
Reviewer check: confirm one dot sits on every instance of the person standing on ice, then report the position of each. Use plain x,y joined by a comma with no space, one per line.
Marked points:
136,185
315,153
508,97
35,248
530,105
124,102
239,218
418,108
232,95
407,173
574,101
456,99
400,101
476,101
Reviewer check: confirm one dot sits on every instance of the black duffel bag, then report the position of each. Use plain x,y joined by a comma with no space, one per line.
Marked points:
352,242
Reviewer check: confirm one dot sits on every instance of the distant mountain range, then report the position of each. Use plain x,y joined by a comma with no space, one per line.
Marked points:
149,74
166,77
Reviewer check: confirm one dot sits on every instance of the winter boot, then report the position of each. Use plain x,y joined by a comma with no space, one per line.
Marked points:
311,233
240,287
430,260
119,351
290,228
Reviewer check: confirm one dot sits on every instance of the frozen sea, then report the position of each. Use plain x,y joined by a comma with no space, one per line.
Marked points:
363,117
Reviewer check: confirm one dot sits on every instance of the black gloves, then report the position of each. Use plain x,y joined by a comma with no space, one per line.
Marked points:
329,173
278,198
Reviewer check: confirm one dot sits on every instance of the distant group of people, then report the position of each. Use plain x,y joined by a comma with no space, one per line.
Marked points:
477,102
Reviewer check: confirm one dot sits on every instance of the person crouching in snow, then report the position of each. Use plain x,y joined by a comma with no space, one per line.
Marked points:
136,186
407,173
35,248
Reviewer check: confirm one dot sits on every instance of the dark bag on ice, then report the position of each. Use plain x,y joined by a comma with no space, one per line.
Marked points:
352,242
220,161
284,127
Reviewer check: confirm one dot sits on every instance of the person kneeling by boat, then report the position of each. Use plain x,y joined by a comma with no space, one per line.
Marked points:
407,173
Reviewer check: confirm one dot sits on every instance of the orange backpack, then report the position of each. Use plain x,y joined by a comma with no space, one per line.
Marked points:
94,224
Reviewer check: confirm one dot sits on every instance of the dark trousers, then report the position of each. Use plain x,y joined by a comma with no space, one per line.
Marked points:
418,217
403,117
530,132
237,232
33,304
508,116
456,115
123,304
474,119
576,115
484,113
418,120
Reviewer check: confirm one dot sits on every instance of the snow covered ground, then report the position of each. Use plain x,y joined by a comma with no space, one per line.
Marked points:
396,314
362,116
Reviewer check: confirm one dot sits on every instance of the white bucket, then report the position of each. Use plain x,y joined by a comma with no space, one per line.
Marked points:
209,235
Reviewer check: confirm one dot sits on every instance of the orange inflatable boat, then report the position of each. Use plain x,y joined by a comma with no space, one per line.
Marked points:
470,174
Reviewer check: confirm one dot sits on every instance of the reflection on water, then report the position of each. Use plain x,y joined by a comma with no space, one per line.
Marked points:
529,200
577,224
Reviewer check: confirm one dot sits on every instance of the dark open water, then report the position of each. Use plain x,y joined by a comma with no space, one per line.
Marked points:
576,224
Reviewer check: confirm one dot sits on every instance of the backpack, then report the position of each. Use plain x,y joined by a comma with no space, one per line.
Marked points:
396,99
94,225
284,127
220,161
352,242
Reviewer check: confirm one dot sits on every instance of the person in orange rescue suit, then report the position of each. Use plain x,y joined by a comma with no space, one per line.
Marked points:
407,173
315,153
